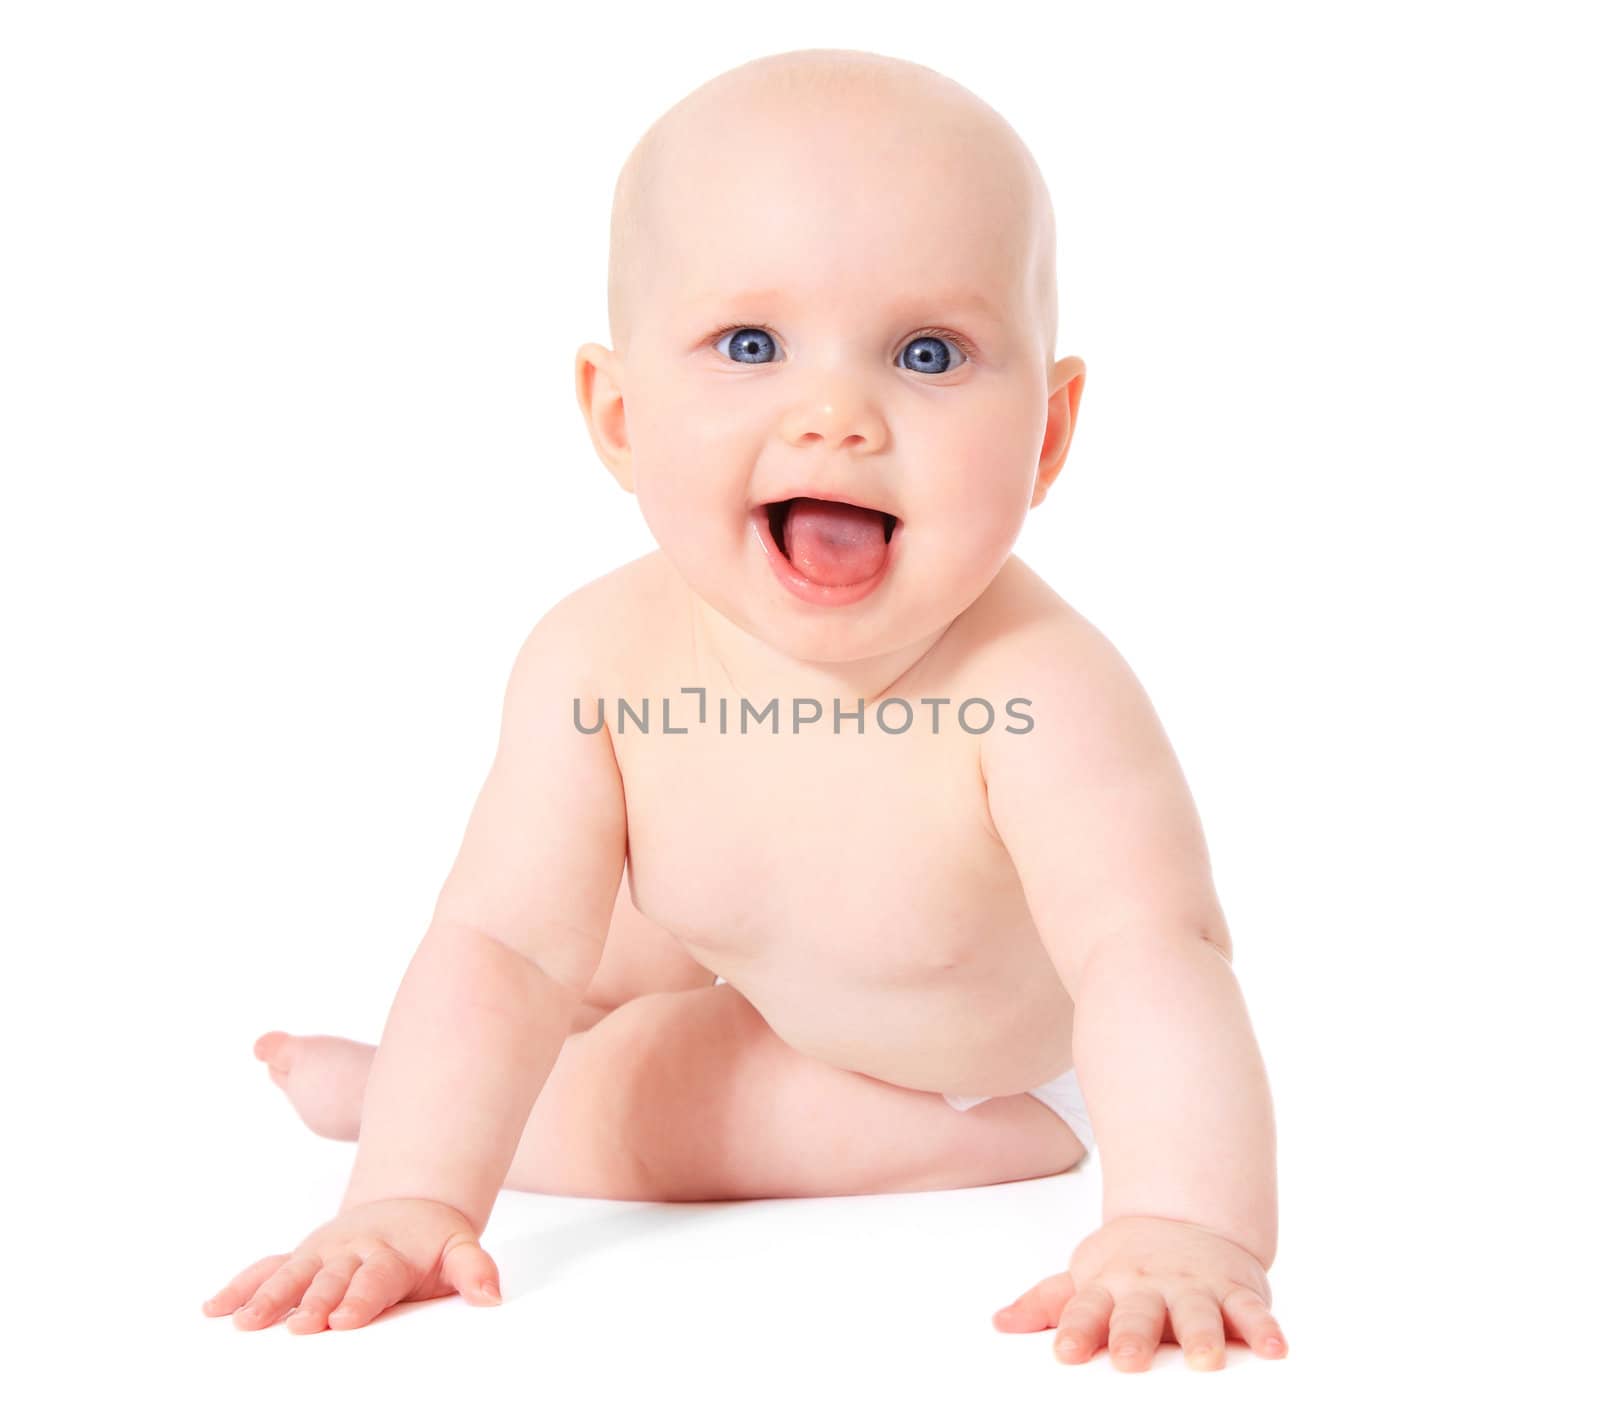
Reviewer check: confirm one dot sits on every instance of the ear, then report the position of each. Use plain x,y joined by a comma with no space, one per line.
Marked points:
599,380
1066,390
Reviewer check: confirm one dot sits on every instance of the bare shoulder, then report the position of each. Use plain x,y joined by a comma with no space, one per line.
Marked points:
1022,627
600,628
1080,689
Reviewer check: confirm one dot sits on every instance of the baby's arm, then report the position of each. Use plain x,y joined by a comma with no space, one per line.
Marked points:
516,936
1095,812
480,1016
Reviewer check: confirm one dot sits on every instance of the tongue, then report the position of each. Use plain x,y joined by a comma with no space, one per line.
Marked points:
834,543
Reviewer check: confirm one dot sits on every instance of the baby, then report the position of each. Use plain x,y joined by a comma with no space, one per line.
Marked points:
826,850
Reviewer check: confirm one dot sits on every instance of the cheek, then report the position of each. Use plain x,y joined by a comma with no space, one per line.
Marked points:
689,469
676,417
682,509
981,471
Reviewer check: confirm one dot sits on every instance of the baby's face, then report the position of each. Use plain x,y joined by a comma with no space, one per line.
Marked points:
847,318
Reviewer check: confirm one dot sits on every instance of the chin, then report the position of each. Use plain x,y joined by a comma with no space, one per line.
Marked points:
806,637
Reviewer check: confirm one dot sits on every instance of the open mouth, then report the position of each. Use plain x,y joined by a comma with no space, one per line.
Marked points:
826,551
778,517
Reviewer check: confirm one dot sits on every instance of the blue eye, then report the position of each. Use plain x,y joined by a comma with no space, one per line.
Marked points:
931,352
752,346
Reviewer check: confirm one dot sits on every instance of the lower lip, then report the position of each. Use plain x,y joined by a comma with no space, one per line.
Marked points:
826,595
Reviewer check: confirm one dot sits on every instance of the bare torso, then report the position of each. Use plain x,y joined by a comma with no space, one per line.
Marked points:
851,886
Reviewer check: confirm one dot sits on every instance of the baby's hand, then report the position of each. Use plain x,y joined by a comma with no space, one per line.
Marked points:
1134,1274
370,1257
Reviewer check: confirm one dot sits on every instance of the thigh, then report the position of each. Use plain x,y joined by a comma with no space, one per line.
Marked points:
690,1096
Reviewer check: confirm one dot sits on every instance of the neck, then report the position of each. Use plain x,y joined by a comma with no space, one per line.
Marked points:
760,672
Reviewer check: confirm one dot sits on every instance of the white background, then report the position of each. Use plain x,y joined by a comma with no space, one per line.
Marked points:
292,461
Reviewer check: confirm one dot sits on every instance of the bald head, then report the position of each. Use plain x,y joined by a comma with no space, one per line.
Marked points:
902,110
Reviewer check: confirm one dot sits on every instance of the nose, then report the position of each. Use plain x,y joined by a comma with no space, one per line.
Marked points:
834,420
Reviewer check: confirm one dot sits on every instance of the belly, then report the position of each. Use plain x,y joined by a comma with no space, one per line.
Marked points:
924,971
998,1023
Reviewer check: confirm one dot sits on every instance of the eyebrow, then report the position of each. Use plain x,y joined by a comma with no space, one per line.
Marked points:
772,296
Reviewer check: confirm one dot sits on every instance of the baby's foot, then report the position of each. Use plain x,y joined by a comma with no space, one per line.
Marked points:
325,1078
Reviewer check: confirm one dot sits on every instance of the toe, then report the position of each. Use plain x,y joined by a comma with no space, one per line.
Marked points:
274,1049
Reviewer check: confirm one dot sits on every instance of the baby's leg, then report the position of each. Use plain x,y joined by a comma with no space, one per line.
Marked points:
691,1096
325,1078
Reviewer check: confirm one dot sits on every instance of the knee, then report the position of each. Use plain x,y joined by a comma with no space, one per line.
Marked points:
630,1076
583,1136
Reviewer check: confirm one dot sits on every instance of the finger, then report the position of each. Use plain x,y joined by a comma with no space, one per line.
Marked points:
1247,1315
1083,1325
1135,1328
466,1267
1197,1326
242,1286
1039,1308
278,1293
329,1287
383,1279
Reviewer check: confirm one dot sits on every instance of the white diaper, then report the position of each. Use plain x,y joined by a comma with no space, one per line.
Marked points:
1062,1095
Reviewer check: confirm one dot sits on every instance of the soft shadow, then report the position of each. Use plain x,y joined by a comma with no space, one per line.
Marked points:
541,1257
